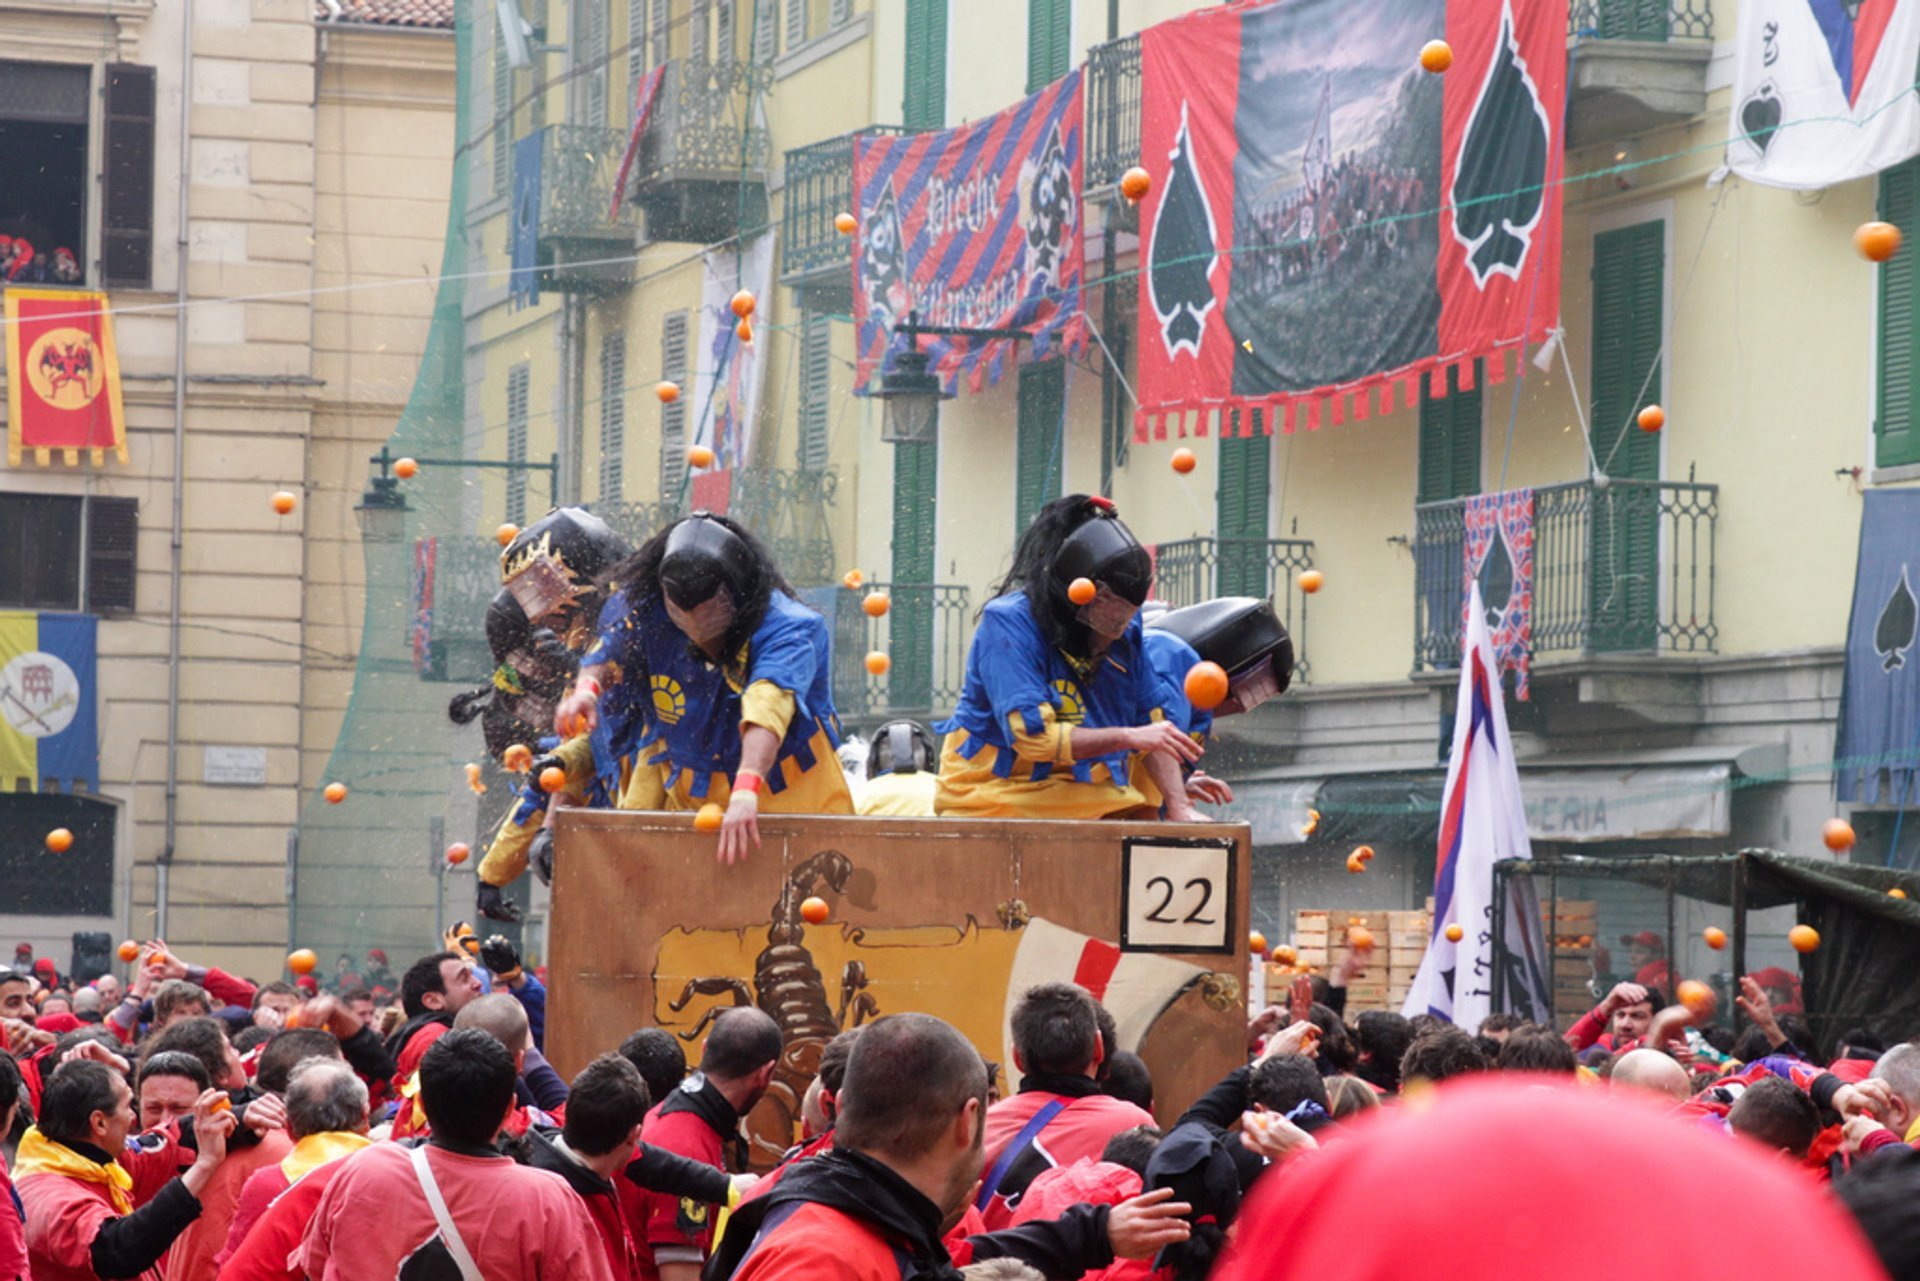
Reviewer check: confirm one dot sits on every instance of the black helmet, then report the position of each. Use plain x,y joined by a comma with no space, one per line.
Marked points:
1235,632
558,559
900,747
702,556
1105,551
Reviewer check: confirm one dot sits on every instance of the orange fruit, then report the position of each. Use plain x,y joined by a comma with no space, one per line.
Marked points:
1285,954
708,818
814,910
1455,933
284,502
406,469
1311,581
59,840
221,1104
1256,942
1183,461
845,223
1877,241
852,580
1652,418
1696,996
876,604
743,331
507,533
1803,938
1135,183
667,392
1206,685
1716,938
878,663
1896,892
302,960
1359,938
1081,591
700,456
457,852
552,778
1356,864
743,303
1436,56
518,758
335,793
1838,834
129,950
1364,853
473,780
158,961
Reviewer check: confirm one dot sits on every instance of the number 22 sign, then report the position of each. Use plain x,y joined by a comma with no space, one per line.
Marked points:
1177,894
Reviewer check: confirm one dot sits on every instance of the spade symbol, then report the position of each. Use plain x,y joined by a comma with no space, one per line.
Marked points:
1183,255
1496,580
1499,175
883,273
1760,116
1893,634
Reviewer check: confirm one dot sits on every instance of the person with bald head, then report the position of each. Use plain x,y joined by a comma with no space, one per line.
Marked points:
1652,1071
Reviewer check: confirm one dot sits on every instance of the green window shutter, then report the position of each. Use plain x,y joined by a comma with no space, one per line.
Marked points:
1242,511
613,418
1629,274
1896,440
1049,35
518,378
1450,441
501,143
925,106
816,388
673,417
1043,391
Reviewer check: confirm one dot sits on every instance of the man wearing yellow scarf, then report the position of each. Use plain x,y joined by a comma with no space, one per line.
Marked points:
97,1209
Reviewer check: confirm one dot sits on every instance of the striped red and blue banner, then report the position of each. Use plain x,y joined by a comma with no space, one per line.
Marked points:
977,227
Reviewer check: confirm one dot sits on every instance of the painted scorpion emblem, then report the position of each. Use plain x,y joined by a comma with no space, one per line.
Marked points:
789,987
64,363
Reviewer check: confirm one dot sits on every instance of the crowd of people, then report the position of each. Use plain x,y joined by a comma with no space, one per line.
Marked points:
191,1125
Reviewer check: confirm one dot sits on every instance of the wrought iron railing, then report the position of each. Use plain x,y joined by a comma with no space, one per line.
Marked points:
578,165
924,633
1113,110
1196,569
1653,20
637,522
449,627
818,189
1623,567
703,128
788,510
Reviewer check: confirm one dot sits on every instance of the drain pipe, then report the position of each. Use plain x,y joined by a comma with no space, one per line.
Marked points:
163,868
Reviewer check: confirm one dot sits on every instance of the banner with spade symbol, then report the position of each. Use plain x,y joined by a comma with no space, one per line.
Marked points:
1329,222
1499,556
1878,747
977,227
1823,90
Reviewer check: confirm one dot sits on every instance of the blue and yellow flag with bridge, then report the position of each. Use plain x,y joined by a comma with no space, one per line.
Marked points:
49,722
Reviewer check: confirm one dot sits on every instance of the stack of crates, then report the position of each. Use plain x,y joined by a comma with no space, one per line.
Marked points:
1571,926
1407,936
1320,945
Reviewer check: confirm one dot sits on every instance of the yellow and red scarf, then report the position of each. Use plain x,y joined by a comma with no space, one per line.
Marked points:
316,1150
41,1155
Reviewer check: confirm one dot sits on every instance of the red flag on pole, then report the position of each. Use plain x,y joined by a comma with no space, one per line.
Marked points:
63,377
642,109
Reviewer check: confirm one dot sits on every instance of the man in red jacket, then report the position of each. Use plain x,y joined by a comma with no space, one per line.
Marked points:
1059,1116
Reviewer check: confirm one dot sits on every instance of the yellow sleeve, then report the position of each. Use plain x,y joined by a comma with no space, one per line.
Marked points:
1053,744
506,858
768,706
576,757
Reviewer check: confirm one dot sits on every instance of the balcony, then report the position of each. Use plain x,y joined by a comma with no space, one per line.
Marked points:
1196,569
637,522
581,250
1625,569
1113,113
1636,65
701,174
448,631
925,633
814,254
788,510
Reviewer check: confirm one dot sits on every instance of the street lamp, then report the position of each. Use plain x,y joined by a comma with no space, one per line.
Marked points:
909,387
382,509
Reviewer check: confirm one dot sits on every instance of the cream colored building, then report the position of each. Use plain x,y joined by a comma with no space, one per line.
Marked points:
309,148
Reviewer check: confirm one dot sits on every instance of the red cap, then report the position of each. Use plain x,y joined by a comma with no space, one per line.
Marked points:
58,1024
1645,938
308,984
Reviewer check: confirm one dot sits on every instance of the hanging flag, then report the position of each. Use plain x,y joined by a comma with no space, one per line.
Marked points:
523,281
642,112
1823,90
1878,747
420,626
48,726
63,377
1499,559
727,373
1483,821
977,227
1327,220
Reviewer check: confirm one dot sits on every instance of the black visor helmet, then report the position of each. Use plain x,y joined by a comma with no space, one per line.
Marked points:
900,747
556,561
702,556
1235,632
1105,551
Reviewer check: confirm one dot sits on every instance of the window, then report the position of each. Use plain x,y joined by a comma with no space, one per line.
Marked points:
673,418
1629,288
798,25
613,418
76,883
816,375
1049,41
1241,510
1896,435
126,199
697,31
1450,440
517,380
501,140
42,561
43,172
724,48
766,30
925,106
841,13
636,48
662,31
590,60
1043,404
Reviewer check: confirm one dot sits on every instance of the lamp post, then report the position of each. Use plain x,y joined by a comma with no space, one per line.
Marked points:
382,509
911,390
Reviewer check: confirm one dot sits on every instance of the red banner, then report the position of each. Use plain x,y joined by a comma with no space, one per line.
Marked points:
1328,219
63,377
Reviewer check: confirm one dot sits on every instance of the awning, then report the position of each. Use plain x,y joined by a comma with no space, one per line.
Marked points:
1661,794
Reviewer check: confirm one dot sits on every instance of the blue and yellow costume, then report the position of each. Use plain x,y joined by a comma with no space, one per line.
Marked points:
682,729
1008,750
1171,658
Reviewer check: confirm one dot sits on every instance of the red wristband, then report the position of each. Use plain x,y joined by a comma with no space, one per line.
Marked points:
590,685
748,781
